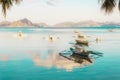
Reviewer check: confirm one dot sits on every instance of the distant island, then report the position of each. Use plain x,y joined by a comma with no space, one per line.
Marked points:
27,23
22,23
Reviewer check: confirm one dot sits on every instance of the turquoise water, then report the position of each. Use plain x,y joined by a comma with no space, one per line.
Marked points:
34,57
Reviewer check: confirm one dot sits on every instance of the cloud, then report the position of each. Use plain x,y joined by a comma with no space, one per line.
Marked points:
50,2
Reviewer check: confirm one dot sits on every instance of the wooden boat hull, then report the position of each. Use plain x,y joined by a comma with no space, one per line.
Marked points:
82,42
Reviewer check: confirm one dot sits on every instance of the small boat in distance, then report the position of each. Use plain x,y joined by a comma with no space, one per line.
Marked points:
110,30
20,34
76,31
51,38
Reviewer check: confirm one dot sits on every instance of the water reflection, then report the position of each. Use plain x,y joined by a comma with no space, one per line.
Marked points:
81,55
55,60
4,57
75,56
50,55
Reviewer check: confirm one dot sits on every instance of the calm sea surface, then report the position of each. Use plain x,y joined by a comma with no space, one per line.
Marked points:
34,57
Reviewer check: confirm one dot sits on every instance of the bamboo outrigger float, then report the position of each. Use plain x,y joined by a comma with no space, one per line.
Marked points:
80,55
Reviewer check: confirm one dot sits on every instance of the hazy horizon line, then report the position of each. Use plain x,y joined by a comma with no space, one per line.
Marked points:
60,21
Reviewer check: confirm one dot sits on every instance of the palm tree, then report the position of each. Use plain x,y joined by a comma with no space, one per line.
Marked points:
109,5
7,4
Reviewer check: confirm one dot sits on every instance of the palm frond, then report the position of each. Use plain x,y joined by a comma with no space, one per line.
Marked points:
108,5
17,1
119,5
7,4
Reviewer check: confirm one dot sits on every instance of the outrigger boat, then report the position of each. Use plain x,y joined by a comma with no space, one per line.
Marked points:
20,34
80,55
51,39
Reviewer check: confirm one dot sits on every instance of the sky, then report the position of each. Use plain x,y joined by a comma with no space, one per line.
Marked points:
56,11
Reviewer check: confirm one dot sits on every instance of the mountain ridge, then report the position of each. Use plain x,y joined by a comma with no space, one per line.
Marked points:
27,23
